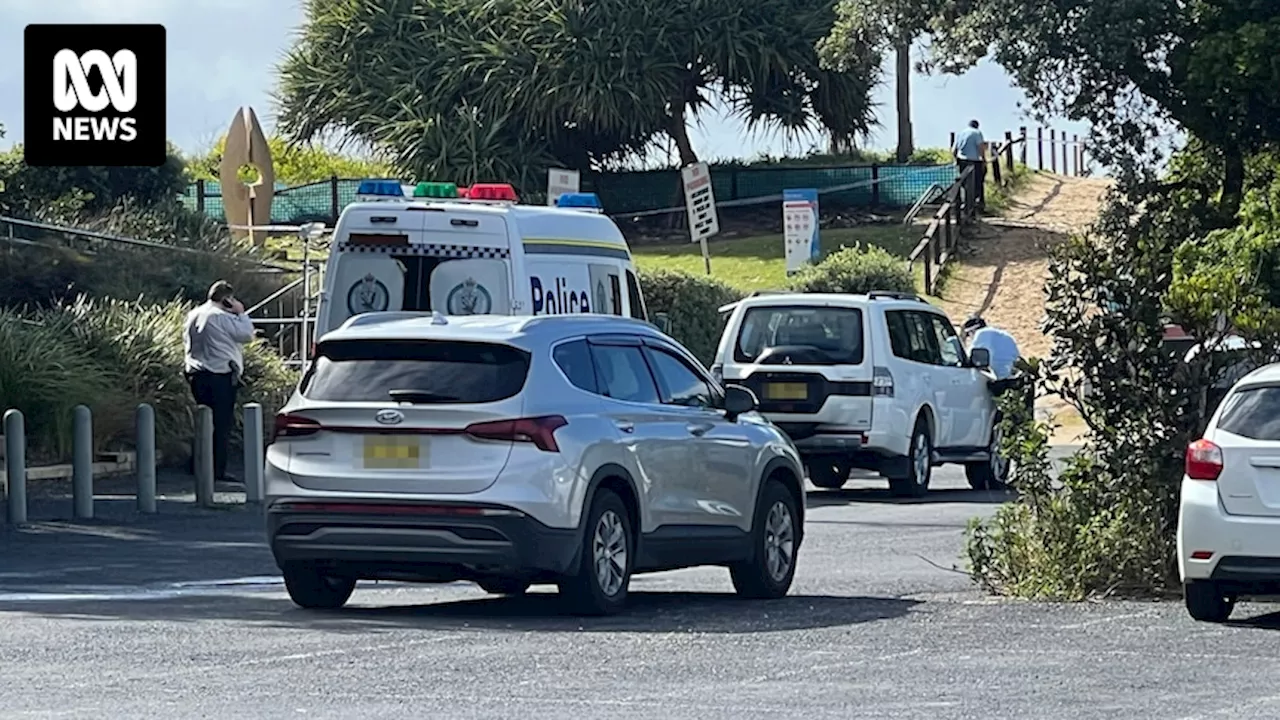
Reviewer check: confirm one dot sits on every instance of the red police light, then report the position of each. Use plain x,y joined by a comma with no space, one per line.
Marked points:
492,191
464,192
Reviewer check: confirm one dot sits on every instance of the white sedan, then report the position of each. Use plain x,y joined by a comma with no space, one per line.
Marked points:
1229,514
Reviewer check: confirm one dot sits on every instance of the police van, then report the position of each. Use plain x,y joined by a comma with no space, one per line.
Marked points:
475,252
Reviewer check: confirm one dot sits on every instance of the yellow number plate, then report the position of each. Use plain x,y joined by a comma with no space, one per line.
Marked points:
393,452
786,391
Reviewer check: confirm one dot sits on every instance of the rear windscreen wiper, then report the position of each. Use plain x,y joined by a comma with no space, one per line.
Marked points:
420,396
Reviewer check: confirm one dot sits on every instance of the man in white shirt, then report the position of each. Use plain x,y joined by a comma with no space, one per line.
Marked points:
970,151
1003,348
214,336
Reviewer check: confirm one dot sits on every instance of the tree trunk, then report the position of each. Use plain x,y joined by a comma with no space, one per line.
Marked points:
680,133
906,139
1232,182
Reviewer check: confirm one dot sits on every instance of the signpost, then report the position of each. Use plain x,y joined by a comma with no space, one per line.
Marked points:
700,202
800,228
561,182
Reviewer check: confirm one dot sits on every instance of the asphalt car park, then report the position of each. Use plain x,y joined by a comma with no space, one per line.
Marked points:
184,616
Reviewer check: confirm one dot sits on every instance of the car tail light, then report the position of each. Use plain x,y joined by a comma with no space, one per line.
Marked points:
538,430
1204,460
881,382
288,426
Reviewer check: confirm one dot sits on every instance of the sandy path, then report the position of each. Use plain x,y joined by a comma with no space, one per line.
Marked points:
1004,275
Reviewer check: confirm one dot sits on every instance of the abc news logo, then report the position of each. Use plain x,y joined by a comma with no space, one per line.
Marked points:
94,95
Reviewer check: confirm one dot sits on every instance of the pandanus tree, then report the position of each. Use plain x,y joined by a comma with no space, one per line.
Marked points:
486,89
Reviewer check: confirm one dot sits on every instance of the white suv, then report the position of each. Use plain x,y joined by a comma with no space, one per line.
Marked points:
878,381
1229,512
508,451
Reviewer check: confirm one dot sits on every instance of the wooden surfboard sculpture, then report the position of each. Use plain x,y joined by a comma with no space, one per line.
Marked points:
247,204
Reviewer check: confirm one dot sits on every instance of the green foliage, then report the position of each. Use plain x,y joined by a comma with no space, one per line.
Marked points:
857,269
486,91
51,272
1130,68
691,302
28,191
1106,523
295,164
111,355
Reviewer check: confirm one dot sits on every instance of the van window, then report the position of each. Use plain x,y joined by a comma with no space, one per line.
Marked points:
834,333
912,337
439,372
635,299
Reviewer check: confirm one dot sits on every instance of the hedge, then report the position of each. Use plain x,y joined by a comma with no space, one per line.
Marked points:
856,269
691,303
112,355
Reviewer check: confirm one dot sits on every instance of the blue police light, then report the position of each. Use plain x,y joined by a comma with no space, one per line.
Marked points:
383,188
579,200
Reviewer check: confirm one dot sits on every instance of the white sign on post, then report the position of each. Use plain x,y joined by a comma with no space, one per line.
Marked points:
700,202
800,228
561,182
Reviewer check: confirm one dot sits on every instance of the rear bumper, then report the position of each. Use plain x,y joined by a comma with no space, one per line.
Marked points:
411,542
1243,551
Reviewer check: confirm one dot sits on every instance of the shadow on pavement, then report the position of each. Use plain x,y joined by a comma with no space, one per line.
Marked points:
648,612
848,496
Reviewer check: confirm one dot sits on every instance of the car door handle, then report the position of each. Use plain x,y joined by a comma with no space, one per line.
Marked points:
625,427
699,429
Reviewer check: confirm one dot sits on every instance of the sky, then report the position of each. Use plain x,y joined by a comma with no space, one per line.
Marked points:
223,54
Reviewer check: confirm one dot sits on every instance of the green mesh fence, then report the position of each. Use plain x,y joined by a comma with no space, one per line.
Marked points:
890,186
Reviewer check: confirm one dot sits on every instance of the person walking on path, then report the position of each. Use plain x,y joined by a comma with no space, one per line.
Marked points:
213,338
970,151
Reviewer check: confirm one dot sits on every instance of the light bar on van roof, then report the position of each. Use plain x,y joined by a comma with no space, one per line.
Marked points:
380,188
493,191
586,201
436,190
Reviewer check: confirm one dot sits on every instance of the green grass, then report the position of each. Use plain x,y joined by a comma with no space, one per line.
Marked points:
758,263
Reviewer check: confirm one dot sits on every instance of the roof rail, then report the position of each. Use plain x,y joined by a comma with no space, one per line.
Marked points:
758,293
892,295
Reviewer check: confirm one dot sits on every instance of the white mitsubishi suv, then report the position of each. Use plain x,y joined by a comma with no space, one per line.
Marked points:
878,381
574,450
1229,512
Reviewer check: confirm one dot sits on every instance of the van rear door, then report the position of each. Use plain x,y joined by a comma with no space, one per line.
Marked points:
472,273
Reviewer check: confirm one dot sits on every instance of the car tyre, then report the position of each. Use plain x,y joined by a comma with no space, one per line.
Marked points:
312,588
919,464
504,586
1207,602
604,569
775,545
829,473
992,473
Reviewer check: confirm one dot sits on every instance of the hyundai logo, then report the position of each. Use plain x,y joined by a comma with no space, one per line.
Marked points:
389,417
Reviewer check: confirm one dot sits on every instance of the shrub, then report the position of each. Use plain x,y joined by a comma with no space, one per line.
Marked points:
113,355
52,272
856,269
692,303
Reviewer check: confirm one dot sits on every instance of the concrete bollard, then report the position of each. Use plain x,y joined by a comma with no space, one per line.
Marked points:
15,455
204,456
145,457
82,464
253,461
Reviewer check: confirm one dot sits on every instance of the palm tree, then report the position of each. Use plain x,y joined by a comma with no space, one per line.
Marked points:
486,89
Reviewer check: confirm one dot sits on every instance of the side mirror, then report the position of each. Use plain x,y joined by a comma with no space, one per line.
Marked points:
738,400
662,321
980,358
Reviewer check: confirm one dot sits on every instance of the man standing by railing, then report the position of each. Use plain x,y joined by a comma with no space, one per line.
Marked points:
213,336
971,151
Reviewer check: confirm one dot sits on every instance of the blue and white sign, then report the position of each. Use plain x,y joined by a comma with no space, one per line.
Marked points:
800,228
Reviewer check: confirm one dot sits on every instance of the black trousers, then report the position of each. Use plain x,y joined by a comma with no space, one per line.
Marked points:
977,181
218,392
